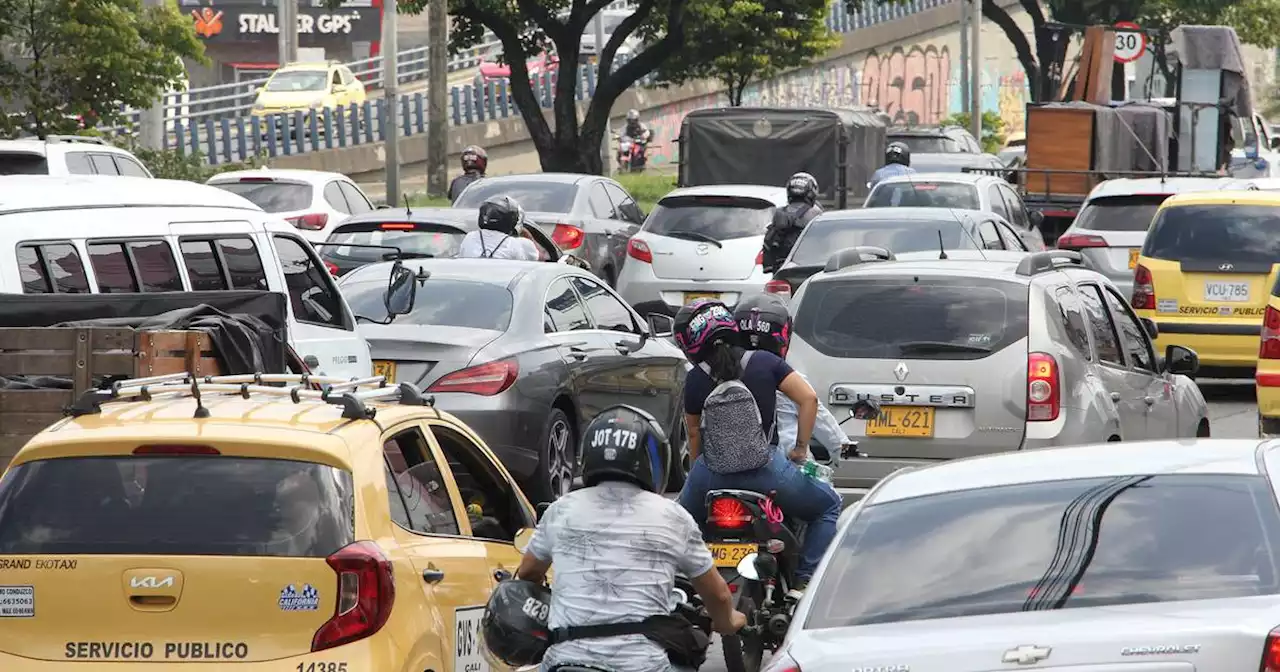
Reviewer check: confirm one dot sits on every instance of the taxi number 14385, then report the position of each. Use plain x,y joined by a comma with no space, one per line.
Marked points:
322,667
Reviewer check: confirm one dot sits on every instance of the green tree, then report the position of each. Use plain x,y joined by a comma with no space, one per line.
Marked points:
741,41
86,58
993,137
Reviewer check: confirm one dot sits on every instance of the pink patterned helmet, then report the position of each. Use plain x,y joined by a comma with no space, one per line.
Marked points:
701,323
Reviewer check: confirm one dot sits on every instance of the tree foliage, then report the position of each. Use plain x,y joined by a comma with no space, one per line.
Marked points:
63,59
741,41
993,136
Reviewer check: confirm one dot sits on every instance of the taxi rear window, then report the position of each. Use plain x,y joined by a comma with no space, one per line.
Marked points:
1247,236
175,505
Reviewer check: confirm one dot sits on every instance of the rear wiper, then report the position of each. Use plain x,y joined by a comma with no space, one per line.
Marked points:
694,235
392,256
923,347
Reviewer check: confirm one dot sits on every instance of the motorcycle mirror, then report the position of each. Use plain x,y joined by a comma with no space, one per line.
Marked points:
747,568
865,409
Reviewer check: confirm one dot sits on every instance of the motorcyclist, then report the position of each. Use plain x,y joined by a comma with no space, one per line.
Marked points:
764,321
736,454
617,545
802,206
474,162
897,161
498,236
636,130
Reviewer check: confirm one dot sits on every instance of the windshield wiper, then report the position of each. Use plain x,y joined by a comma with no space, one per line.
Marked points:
925,347
694,235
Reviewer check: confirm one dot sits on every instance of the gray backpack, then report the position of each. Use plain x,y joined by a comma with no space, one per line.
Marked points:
733,437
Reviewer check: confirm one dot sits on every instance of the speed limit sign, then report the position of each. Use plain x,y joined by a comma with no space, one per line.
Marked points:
1131,43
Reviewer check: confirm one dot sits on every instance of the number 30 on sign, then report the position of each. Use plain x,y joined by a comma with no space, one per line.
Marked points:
1129,45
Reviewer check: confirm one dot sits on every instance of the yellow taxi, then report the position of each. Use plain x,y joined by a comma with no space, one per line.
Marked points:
1206,273
300,87
256,525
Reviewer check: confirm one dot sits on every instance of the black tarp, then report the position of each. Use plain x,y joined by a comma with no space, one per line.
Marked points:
758,145
248,328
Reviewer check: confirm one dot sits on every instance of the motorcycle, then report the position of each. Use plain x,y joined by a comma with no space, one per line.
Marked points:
747,527
631,153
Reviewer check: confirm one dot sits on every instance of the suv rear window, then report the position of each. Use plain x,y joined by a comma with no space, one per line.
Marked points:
1245,235
23,163
175,505
440,303
715,217
271,196
436,240
1119,213
914,317
924,195
929,144
1093,542
824,237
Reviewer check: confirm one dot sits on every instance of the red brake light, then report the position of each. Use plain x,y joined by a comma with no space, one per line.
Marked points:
256,180
1144,289
1271,652
1043,385
397,226
760,258
332,267
639,250
166,449
778,287
567,237
366,591
1270,347
312,222
783,662
923,187
485,380
1079,241
728,513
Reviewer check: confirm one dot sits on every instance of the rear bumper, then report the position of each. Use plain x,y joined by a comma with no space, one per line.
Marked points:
1218,344
511,425
650,294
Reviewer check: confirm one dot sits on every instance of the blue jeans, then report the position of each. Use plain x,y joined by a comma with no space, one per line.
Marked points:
808,499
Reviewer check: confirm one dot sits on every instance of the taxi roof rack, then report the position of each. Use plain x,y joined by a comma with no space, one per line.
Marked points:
344,392
851,256
1050,260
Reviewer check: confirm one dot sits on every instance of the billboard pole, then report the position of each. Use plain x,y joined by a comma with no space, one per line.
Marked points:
282,35
390,87
437,97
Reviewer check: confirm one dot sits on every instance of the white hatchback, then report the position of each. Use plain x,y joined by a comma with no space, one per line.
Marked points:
313,201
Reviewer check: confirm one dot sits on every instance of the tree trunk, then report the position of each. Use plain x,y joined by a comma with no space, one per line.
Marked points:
1018,39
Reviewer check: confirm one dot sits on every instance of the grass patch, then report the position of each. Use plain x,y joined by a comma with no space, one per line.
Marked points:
646,188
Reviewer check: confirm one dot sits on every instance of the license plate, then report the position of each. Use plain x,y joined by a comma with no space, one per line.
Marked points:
908,422
690,297
1218,291
1133,257
385,369
729,555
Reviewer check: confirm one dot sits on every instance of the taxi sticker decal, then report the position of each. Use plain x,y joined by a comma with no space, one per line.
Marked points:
292,599
1167,306
17,601
468,656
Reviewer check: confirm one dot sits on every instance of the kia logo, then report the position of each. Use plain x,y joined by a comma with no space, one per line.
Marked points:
1225,267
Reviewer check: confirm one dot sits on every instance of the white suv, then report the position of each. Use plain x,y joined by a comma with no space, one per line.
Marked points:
67,155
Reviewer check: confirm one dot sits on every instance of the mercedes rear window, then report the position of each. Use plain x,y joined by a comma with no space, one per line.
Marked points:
927,144
1248,236
715,217
175,505
271,196
1052,545
823,237
532,195
924,195
435,240
23,163
439,303
1119,213
912,317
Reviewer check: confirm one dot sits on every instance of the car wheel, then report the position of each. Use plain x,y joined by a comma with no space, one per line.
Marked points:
680,460
557,462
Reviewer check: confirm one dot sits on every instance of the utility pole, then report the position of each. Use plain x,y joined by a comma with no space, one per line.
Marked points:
293,30
437,98
151,121
964,57
390,88
606,140
975,70
282,34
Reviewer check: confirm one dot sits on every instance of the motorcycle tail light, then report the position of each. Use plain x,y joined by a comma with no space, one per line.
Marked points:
775,546
728,513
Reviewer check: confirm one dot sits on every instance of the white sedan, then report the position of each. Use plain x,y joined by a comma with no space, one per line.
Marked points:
313,201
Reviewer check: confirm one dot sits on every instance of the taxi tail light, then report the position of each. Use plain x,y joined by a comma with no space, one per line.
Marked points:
727,513
170,449
1043,387
567,236
639,250
1270,345
1144,289
1271,653
485,380
1079,241
778,287
366,593
312,222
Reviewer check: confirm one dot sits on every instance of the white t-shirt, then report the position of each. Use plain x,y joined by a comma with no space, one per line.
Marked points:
487,244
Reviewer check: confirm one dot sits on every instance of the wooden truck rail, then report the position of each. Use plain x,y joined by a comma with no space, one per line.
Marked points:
84,358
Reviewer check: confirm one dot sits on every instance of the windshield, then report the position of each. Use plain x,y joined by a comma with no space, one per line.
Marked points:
23,163
715,217
175,505
924,195
532,195
1159,538
1245,235
440,303
912,316
929,144
435,240
299,80
271,196
1119,213
823,237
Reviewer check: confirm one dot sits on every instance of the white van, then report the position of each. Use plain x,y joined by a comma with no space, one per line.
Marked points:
93,234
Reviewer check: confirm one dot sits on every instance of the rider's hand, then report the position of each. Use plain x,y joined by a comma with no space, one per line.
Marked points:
799,454
737,621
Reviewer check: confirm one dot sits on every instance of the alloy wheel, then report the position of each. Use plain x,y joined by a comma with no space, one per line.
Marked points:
560,459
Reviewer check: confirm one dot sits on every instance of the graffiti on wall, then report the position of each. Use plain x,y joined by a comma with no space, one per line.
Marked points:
912,85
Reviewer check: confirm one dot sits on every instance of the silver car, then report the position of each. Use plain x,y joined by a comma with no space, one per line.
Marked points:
700,242
1112,224
966,191
974,357
1158,556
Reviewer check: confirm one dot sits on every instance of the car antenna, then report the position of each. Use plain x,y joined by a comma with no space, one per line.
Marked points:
969,233
942,248
407,211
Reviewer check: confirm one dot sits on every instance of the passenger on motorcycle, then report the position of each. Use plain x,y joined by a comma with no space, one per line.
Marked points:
499,234
764,321
730,400
617,545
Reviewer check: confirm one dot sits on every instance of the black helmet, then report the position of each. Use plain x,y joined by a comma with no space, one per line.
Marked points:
802,187
501,213
897,152
514,627
764,321
624,443
474,158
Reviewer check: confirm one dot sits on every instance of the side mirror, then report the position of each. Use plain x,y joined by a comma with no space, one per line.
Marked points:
541,510
1181,360
747,568
402,290
661,326
523,537
1037,218
865,409
1150,326
259,90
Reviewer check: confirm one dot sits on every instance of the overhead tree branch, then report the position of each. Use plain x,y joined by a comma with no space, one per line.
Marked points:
521,88
543,18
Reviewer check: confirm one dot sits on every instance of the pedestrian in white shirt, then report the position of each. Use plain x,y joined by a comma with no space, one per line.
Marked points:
498,236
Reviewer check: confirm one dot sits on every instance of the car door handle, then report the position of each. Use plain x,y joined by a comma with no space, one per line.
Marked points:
578,353
1150,401
625,347
1115,396
433,575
